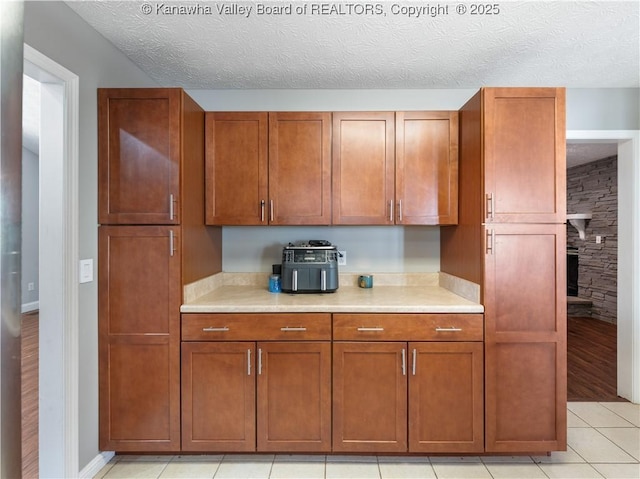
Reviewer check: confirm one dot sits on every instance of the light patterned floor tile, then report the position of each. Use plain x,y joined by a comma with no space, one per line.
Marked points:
618,471
629,411
136,470
406,470
243,466
560,457
575,421
347,458
458,471
144,458
190,470
596,415
402,459
198,458
516,471
298,470
505,459
594,447
300,458
102,472
350,469
570,471
625,438
455,459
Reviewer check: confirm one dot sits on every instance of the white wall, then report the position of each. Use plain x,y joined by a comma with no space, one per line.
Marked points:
55,30
29,229
603,109
373,249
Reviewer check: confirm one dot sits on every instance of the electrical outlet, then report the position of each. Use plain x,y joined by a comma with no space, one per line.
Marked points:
342,258
86,270
598,239
31,286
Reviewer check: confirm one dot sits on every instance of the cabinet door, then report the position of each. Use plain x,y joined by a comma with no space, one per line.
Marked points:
427,168
363,168
369,397
294,396
524,155
446,397
218,396
300,168
139,338
525,338
236,173
139,144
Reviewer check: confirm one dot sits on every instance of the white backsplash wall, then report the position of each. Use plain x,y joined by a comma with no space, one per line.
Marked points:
370,249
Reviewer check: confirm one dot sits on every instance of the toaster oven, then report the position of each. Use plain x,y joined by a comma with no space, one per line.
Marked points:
309,267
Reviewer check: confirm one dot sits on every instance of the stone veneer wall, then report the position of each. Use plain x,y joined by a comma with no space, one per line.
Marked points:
593,187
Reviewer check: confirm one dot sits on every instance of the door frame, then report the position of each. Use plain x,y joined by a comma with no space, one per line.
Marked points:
59,432
628,280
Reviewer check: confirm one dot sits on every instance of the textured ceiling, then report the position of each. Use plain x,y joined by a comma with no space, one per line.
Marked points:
576,44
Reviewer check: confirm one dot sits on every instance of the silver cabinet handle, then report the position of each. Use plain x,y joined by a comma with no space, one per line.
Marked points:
294,280
171,207
213,329
262,211
323,280
172,245
490,205
391,211
248,362
377,328
490,239
450,330
404,362
259,361
400,211
413,366
294,328
270,210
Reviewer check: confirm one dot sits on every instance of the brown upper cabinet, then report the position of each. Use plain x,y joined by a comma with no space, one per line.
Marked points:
427,167
524,155
268,168
139,153
395,168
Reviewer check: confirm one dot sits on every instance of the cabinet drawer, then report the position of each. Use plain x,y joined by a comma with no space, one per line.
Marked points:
408,327
256,327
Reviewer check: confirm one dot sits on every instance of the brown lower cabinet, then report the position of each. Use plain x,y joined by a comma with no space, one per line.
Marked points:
416,397
273,396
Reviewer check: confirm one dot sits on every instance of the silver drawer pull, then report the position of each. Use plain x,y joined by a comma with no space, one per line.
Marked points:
215,330
448,330
289,329
371,329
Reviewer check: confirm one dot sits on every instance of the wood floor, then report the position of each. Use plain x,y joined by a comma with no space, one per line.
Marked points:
30,395
591,360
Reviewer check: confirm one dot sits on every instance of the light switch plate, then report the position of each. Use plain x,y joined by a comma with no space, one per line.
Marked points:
86,270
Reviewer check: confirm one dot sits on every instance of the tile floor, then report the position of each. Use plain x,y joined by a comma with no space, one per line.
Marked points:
604,442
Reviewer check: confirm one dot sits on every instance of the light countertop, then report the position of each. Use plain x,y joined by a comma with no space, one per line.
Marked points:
390,294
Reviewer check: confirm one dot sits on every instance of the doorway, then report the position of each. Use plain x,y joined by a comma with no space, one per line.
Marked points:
627,334
57,251
592,263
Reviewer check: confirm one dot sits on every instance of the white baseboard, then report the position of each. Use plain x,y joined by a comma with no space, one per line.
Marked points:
94,467
28,307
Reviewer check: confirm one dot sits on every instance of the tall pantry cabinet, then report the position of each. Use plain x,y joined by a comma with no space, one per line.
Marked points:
151,241
510,240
